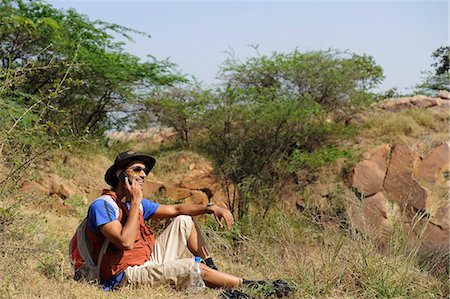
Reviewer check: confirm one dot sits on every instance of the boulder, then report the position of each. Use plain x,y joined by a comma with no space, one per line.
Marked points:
442,217
430,236
444,108
224,194
35,187
425,102
197,197
152,188
368,175
217,187
444,94
197,180
399,183
434,166
378,214
435,238
396,104
60,188
426,223
375,206
418,101
177,193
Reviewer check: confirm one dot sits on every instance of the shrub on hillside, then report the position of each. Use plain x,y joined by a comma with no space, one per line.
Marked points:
272,110
332,78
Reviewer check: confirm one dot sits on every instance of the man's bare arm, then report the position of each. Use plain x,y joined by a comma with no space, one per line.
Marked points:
169,211
123,236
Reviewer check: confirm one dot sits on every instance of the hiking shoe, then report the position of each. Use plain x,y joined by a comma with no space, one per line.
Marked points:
234,294
279,288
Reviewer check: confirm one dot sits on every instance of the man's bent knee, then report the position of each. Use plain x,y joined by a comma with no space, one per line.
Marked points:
185,224
183,219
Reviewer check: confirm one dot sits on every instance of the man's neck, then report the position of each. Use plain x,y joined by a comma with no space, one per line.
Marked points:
120,193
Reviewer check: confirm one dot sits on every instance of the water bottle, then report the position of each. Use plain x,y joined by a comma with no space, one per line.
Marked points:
196,283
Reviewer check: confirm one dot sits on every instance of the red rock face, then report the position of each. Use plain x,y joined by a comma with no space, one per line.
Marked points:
198,186
401,198
442,217
152,187
435,165
368,175
399,183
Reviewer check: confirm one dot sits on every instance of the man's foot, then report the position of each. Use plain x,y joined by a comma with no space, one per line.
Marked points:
279,288
234,294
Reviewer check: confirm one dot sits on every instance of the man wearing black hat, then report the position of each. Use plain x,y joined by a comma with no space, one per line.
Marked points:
133,256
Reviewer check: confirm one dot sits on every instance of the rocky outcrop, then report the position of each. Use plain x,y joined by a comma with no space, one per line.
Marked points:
418,101
52,185
151,136
395,186
198,185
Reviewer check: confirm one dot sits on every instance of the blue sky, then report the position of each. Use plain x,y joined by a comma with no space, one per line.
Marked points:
400,35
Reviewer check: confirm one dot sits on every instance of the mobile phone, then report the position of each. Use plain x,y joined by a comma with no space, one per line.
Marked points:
123,176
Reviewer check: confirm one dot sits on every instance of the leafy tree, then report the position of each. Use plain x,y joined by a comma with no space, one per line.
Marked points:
71,70
331,78
439,79
272,109
442,65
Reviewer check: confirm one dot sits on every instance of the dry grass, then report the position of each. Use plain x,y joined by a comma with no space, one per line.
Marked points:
414,126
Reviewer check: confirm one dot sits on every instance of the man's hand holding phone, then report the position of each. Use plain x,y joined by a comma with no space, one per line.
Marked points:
133,191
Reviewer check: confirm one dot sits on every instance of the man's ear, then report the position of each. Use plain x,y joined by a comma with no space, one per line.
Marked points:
118,172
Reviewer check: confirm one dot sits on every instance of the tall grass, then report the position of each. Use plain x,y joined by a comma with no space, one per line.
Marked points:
326,261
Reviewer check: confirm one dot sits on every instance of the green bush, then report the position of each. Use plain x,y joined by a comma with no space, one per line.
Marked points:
318,158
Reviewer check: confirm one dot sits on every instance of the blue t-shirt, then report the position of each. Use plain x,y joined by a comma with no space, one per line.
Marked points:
102,212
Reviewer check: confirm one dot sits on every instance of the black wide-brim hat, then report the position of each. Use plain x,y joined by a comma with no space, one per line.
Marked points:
124,159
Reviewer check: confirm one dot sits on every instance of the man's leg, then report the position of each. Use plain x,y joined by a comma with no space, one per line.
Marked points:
172,242
182,232
197,246
214,278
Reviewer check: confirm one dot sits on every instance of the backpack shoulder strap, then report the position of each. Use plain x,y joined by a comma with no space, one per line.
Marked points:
105,244
112,202
101,254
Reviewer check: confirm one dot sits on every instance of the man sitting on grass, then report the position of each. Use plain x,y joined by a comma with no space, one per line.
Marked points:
133,256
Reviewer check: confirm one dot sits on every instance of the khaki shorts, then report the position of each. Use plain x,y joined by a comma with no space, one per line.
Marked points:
165,265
